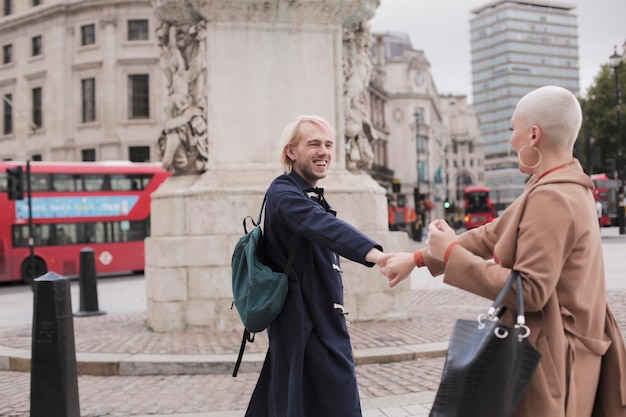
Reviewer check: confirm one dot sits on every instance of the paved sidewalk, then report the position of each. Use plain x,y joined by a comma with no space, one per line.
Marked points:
125,369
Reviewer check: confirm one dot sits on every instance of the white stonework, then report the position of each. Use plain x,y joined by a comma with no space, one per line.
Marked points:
268,62
208,216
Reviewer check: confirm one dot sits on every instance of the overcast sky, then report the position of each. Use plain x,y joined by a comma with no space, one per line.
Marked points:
441,29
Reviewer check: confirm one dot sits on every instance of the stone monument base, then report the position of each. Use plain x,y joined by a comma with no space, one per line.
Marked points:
197,220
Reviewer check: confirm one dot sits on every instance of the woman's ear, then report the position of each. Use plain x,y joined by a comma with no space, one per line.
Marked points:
535,135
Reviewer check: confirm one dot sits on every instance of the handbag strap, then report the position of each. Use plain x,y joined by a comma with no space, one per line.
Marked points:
498,310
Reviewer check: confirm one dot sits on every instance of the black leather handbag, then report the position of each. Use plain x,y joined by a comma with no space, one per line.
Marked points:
488,365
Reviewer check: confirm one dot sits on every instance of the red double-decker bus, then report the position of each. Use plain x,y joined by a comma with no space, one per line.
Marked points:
479,208
104,206
605,192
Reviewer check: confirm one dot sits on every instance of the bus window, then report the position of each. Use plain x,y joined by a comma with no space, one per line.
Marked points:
65,234
41,233
20,236
98,233
129,182
40,182
138,230
94,182
85,232
67,182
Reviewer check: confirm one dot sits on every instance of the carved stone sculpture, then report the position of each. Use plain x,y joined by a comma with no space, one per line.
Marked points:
357,70
267,61
183,143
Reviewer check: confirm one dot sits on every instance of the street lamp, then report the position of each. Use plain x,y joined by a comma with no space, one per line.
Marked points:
615,61
417,197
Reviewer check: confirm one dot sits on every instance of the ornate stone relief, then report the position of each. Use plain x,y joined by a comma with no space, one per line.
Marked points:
183,143
184,140
291,11
357,70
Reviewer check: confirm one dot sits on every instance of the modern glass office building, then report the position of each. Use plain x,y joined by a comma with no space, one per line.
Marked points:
517,46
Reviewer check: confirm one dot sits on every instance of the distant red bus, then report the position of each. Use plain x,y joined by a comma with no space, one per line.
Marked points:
104,206
605,192
479,208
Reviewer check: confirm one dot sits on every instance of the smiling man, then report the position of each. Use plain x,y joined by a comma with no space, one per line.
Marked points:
309,367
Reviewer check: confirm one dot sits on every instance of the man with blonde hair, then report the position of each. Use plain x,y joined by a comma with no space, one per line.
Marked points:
309,367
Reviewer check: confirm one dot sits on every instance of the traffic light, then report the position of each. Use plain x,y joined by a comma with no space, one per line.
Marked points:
609,166
396,186
15,183
447,205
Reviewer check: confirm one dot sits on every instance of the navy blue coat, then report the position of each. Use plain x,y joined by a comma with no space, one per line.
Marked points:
309,367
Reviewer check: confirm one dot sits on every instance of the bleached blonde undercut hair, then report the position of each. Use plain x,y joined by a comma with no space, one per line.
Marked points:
290,136
556,111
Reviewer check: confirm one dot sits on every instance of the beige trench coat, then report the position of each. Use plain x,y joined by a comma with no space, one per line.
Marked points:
550,234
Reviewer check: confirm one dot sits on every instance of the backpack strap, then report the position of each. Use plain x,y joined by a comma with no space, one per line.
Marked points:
258,220
247,337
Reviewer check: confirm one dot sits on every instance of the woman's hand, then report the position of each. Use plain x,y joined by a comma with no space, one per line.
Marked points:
440,236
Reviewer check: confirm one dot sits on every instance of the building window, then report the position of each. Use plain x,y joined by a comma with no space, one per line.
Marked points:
7,114
87,35
37,2
138,30
37,109
139,153
89,100
8,7
36,42
7,54
139,97
36,157
89,155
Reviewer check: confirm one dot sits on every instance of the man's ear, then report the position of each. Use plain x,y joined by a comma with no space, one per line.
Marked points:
289,152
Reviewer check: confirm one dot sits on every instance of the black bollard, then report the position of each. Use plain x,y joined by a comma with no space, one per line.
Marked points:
53,373
88,285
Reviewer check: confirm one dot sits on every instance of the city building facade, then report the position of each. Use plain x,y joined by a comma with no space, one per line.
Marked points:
516,47
80,81
464,150
433,142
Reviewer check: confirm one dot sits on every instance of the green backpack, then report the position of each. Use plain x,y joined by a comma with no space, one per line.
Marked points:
259,292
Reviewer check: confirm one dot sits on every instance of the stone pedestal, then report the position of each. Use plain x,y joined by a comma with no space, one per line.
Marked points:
267,63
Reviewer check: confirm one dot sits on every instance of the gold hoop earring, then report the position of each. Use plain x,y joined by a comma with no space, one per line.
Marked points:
519,156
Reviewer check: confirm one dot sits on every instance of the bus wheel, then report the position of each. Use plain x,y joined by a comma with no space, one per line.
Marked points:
32,268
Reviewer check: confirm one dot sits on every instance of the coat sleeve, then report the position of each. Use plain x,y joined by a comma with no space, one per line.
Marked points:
309,219
541,241
479,242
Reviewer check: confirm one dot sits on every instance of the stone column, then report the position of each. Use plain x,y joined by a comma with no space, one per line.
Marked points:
267,62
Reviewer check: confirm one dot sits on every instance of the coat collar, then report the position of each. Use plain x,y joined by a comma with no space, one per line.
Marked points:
571,172
302,183
315,193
